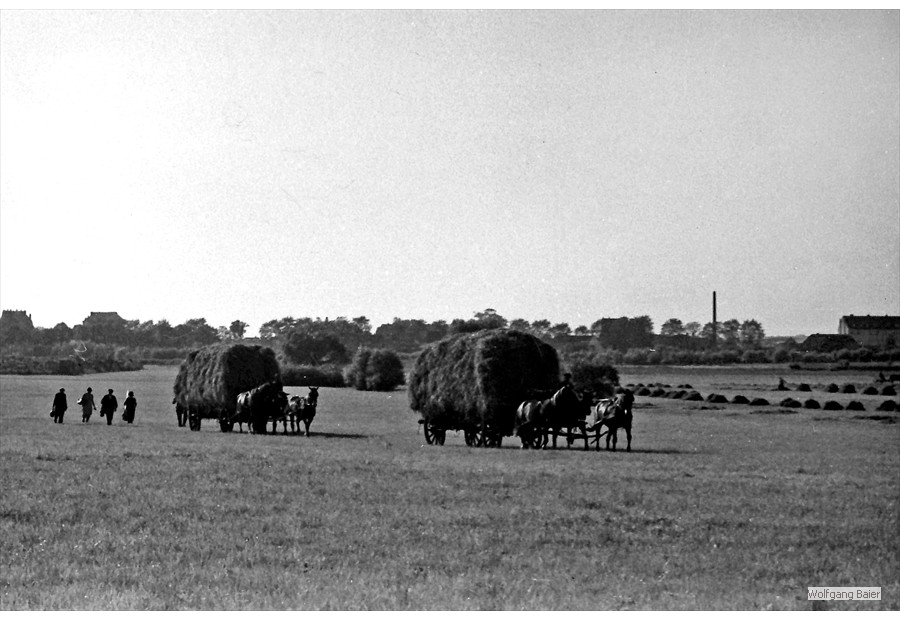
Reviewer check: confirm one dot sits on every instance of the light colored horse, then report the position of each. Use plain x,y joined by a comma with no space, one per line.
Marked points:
613,413
303,408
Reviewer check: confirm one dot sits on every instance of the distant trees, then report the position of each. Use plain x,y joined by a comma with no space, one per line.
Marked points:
624,333
305,348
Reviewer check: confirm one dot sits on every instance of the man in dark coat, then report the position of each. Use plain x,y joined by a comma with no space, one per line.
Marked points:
59,406
108,406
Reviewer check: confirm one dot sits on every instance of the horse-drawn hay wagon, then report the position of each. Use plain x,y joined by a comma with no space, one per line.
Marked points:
474,383
210,379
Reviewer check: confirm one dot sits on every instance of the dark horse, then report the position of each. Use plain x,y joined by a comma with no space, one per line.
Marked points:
536,419
303,408
261,404
613,413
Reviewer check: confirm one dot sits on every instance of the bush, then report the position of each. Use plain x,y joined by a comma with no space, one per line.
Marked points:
599,379
378,370
781,356
754,356
318,376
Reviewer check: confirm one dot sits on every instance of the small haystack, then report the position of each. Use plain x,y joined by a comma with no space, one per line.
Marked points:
759,402
790,402
887,405
833,405
478,380
855,405
210,379
740,399
811,403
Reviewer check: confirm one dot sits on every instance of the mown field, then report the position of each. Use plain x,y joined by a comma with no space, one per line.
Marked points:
716,507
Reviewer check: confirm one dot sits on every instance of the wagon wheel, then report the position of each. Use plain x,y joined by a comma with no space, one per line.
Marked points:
474,438
429,433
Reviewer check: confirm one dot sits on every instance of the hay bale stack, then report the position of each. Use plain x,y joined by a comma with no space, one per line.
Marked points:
692,395
759,402
211,378
848,388
811,403
833,405
804,387
870,390
644,391
888,390
887,405
740,399
832,388
478,380
716,398
790,402
855,405
658,393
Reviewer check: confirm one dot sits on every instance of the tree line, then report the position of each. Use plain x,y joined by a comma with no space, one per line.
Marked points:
331,340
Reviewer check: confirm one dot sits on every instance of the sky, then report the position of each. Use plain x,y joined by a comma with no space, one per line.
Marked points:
559,165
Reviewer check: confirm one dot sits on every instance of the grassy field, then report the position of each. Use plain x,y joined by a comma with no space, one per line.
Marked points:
716,507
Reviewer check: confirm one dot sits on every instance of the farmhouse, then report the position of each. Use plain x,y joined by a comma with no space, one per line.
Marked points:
872,331
15,325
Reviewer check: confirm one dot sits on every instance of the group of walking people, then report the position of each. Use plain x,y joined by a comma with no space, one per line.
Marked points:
108,406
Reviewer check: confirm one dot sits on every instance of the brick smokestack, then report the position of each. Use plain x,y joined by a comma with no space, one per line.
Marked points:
714,323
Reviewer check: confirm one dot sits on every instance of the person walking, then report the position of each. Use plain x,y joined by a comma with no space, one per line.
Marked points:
59,406
130,407
108,406
87,405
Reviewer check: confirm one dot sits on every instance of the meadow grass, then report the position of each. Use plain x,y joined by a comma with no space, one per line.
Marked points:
720,507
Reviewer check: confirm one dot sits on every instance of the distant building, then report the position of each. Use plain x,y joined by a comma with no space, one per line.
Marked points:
881,332
827,343
15,326
103,318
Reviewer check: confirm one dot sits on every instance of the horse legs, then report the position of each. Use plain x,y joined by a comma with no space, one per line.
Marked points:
306,423
628,435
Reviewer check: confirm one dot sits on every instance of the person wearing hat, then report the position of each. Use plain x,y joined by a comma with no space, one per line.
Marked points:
108,406
130,407
87,405
59,406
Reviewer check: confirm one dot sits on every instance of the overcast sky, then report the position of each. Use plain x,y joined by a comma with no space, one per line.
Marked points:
566,166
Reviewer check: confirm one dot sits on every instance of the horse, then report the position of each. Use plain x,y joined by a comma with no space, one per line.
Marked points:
259,405
180,412
535,420
303,408
530,424
613,413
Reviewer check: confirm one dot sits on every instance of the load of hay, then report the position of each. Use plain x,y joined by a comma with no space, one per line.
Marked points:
477,380
210,379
